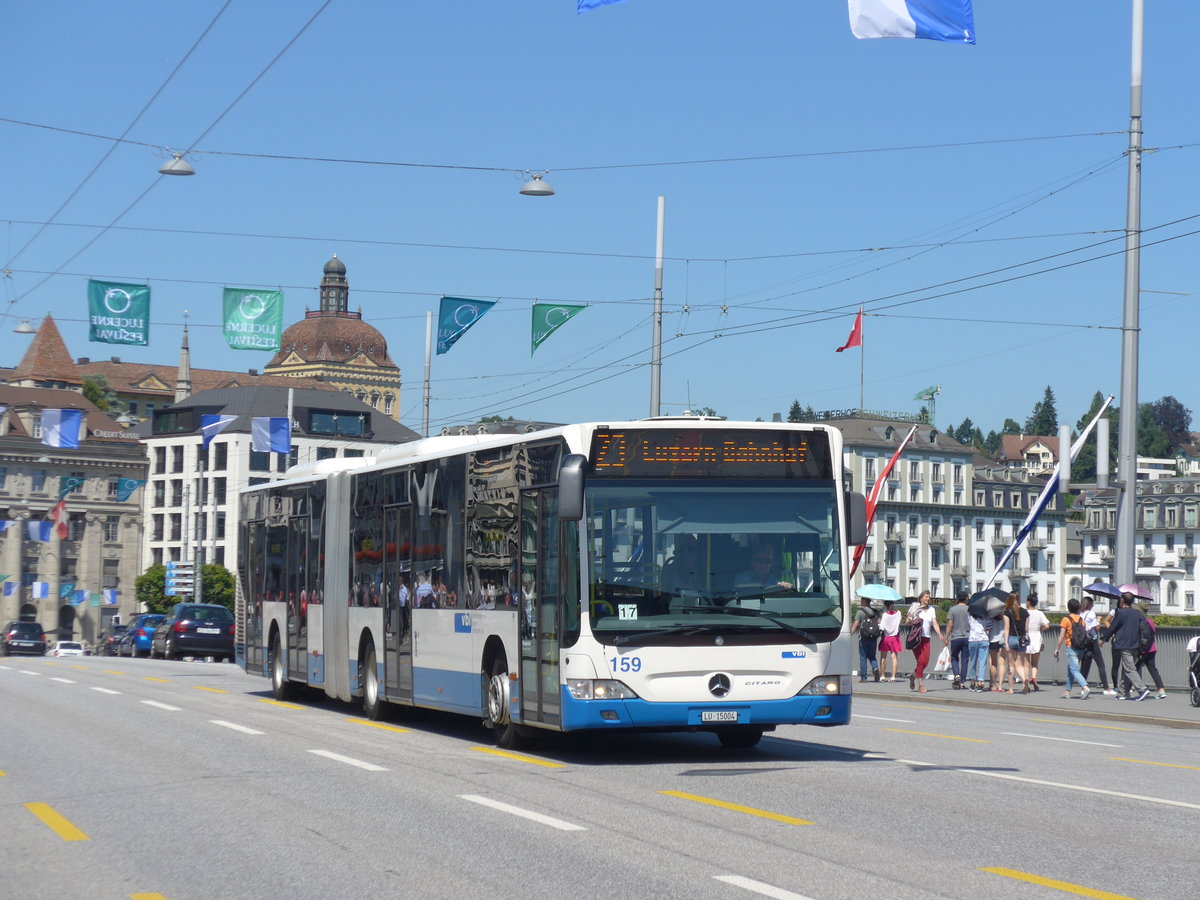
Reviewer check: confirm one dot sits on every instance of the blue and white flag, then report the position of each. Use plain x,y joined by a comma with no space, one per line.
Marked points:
40,590
585,5
10,588
110,597
60,428
270,435
6,524
38,530
937,20
80,598
1044,497
455,316
212,425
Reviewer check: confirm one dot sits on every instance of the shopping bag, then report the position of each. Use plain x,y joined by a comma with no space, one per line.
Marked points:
943,660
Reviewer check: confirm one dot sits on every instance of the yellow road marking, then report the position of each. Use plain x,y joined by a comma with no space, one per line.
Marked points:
111,672
1064,886
1147,762
201,687
55,822
2,773
147,897
274,702
748,810
948,737
78,667
545,763
1084,725
159,680
382,726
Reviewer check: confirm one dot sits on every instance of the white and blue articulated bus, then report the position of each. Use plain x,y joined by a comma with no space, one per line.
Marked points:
666,574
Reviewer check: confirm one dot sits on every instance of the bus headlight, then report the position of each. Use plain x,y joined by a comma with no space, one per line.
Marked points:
827,685
599,689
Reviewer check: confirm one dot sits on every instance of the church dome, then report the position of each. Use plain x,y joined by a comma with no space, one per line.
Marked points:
332,338
335,267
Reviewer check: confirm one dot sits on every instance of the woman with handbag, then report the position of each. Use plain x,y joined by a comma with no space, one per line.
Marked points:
922,625
1016,642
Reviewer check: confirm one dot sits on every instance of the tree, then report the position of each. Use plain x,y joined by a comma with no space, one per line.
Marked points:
1010,426
707,411
150,588
488,419
1152,441
794,412
1044,418
1174,419
991,443
97,389
218,585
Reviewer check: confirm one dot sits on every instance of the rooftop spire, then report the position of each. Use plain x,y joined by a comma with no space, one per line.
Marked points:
183,381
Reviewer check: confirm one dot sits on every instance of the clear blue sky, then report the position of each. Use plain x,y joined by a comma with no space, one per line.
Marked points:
772,254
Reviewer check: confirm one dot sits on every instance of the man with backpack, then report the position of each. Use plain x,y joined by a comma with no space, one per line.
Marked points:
1073,632
866,623
1123,633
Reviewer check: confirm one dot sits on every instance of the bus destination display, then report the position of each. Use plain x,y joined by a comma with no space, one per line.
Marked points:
716,452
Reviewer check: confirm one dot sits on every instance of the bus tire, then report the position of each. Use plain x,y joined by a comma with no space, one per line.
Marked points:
281,688
372,700
740,738
506,733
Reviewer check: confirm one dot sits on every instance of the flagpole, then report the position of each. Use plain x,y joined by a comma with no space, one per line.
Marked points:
1123,567
862,369
428,363
656,350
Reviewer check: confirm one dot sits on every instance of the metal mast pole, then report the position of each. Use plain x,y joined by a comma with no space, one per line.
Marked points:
428,351
656,351
1123,567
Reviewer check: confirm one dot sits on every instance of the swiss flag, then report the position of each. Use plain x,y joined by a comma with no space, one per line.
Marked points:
59,515
855,339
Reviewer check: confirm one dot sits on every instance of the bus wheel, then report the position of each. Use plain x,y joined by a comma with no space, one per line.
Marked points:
372,703
739,738
506,733
281,688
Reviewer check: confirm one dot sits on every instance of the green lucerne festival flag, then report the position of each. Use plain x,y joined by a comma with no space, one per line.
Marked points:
118,313
253,319
548,318
68,483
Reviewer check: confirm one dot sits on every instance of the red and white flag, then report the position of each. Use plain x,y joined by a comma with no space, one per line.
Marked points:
59,516
873,497
855,339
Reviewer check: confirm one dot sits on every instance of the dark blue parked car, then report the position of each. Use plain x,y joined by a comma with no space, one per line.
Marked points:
136,639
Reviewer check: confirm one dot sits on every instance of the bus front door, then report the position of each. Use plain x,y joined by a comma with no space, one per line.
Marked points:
400,594
540,588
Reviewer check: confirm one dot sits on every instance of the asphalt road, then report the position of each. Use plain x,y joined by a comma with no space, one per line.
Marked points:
145,778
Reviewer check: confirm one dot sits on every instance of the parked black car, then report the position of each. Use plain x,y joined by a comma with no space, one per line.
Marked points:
136,639
194,629
108,643
24,637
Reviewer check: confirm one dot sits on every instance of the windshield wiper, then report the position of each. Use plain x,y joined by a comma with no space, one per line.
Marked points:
805,636
642,636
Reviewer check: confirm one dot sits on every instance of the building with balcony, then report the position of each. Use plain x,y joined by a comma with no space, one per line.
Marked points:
82,577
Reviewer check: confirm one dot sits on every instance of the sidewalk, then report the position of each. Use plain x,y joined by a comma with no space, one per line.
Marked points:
1176,711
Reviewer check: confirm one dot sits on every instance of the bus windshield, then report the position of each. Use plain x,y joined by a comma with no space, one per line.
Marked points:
684,563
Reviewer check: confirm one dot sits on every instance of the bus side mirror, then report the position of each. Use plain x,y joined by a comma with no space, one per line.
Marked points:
570,487
857,526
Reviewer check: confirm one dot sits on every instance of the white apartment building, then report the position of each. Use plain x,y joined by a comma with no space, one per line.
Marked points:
190,506
946,515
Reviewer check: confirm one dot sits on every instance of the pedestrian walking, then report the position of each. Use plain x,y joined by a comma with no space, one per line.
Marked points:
889,642
958,631
1037,624
995,632
1073,633
977,653
1123,635
1147,659
924,618
1016,639
1092,653
866,623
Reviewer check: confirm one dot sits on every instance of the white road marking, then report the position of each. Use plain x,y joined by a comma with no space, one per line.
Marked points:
1042,737
759,887
27,672
165,706
105,690
523,813
63,680
242,728
1056,784
884,719
350,761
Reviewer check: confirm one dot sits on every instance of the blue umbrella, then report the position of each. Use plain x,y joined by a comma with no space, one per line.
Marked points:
1104,589
878,592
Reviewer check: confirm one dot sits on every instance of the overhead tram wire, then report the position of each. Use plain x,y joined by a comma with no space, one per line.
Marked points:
107,153
203,134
